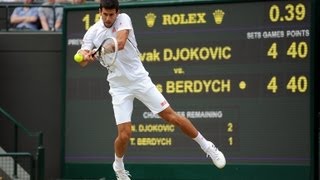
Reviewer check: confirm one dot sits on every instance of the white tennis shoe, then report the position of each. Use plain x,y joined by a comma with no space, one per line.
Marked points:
121,174
217,156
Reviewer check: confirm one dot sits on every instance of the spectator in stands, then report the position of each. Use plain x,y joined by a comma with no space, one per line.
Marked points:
25,17
11,1
78,1
51,17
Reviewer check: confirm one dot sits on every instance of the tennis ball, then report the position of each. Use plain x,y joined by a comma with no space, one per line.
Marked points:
78,57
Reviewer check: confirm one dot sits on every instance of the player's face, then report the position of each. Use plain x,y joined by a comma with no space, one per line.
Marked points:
109,16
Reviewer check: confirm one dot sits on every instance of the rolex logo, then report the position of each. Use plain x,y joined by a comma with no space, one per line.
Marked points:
218,16
150,19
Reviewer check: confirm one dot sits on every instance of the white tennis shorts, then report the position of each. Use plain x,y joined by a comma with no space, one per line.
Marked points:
145,91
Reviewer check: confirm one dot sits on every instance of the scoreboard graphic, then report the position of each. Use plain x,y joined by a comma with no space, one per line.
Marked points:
241,72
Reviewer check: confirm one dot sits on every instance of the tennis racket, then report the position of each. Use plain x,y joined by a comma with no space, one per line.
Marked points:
107,52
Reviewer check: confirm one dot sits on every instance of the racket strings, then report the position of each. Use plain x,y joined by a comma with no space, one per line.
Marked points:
107,52
107,49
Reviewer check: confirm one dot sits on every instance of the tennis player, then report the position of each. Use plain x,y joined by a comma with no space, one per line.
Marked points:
128,79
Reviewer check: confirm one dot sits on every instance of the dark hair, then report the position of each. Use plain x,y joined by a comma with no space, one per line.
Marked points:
109,4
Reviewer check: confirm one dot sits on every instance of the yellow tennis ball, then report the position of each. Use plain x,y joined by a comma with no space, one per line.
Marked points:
78,57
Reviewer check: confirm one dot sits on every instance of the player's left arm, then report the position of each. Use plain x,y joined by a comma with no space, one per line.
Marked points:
122,37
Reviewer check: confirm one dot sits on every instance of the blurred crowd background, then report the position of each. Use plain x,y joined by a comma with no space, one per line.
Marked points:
37,15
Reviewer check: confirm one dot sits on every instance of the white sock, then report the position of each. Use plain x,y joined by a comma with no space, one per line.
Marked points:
118,162
201,141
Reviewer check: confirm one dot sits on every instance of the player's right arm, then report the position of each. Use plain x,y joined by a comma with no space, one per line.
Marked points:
87,46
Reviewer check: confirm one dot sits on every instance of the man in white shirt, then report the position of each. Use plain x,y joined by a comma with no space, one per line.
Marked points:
128,79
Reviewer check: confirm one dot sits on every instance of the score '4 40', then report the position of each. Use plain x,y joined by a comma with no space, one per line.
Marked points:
295,84
296,49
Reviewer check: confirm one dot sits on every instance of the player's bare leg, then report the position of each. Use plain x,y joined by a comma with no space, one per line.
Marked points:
120,147
122,140
188,128
174,118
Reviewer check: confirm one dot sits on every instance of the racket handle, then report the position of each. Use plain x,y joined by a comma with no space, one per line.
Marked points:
94,53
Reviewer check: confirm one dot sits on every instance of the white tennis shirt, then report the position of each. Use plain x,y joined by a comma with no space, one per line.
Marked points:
128,67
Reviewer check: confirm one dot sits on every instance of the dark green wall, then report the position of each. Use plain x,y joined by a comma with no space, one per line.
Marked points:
30,90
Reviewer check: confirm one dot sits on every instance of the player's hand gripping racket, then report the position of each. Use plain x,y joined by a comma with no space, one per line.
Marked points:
107,52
